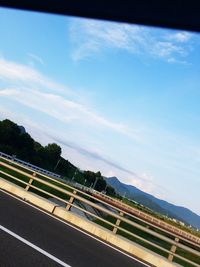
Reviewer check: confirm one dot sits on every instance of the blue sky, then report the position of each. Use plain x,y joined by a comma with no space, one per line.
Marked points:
119,98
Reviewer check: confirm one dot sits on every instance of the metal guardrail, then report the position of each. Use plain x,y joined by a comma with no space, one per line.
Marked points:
31,166
146,217
157,234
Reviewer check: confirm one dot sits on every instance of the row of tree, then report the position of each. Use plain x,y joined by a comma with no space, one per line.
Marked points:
14,140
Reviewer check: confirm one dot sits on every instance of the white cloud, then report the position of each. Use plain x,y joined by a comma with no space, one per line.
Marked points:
181,37
166,49
91,36
63,109
91,160
83,157
23,74
29,87
36,58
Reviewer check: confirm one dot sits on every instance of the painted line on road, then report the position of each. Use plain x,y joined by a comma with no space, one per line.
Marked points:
74,227
33,246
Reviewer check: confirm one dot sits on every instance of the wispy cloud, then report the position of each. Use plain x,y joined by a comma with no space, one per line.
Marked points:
63,109
30,88
84,157
54,136
95,156
92,36
36,58
143,180
181,37
20,74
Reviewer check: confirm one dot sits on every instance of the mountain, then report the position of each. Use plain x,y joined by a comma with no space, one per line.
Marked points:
156,204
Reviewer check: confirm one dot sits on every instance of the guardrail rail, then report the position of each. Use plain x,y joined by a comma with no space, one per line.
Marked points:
174,247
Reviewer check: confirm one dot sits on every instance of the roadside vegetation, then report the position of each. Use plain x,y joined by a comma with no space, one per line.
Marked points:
15,141
108,218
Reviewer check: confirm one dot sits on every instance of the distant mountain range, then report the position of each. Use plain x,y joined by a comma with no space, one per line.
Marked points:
156,204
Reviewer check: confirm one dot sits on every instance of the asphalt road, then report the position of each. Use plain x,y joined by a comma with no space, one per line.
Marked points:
55,238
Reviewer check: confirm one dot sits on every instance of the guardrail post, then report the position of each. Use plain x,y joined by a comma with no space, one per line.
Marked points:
30,182
118,221
173,249
71,200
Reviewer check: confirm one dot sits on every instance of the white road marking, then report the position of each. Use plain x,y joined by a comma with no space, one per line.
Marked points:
33,246
74,227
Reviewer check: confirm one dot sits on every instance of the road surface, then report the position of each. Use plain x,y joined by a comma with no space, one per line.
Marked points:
29,237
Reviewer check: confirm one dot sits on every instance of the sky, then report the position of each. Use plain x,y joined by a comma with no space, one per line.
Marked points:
118,98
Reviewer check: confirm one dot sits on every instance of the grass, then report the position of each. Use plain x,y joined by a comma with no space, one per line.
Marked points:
17,175
151,238
138,232
160,217
109,218
36,183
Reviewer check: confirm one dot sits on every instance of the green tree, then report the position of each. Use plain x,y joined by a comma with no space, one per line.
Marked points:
90,177
101,184
51,155
9,134
53,150
110,191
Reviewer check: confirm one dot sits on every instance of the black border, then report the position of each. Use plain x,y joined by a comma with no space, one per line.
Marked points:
179,14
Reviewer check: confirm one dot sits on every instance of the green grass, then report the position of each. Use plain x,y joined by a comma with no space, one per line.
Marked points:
160,217
148,237
17,175
110,219
188,256
35,183
138,232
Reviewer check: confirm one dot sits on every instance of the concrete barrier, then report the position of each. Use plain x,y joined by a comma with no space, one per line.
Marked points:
28,196
88,226
115,240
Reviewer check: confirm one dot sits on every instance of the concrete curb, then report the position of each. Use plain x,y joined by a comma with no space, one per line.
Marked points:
27,196
88,226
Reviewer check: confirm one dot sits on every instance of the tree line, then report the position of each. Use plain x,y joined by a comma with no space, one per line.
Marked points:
14,140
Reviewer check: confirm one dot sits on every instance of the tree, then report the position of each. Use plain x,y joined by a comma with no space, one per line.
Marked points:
26,147
53,150
15,141
95,179
51,155
9,133
110,191
101,184
90,177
